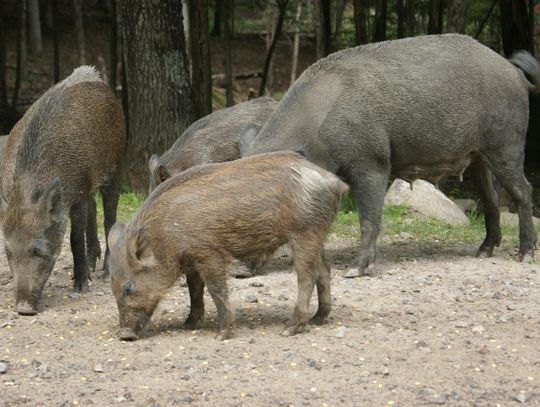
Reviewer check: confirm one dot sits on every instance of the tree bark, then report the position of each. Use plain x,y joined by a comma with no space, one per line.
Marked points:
379,29
228,52
324,29
35,27
435,17
360,22
282,5
79,29
485,19
296,42
400,11
218,17
340,9
114,46
160,103
21,28
411,18
201,72
56,39
457,16
3,83
515,26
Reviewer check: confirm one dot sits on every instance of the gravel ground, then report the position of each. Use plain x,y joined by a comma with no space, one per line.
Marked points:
434,326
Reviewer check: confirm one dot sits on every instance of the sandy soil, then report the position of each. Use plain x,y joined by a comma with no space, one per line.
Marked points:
435,326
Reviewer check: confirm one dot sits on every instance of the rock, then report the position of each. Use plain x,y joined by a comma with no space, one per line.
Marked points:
512,220
251,298
385,371
521,397
256,284
7,323
282,297
406,235
3,367
251,340
440,399
510,307
313,364
98,368
74,295
425,199
340,333
466,205
479,329
496,295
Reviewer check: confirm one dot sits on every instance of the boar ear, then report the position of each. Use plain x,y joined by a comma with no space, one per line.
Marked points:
140,252
129,288
158,169
51,199
115,234
247,137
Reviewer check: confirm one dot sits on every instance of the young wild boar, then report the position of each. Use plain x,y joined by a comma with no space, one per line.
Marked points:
199,221
422,107
69,143
213,139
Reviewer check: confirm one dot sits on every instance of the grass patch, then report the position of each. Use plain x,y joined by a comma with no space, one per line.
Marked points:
127,205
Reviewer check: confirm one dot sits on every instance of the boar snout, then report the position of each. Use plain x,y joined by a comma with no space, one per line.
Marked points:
131,323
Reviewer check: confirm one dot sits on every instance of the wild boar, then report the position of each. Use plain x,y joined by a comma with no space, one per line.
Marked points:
197,222
421,107
212,139
67,145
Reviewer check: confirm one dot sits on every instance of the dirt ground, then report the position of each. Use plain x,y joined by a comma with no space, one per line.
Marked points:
434,326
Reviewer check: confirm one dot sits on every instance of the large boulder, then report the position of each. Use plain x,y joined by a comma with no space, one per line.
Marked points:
423,198
512,220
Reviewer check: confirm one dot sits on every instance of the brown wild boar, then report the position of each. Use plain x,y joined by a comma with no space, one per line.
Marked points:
197,222
67,145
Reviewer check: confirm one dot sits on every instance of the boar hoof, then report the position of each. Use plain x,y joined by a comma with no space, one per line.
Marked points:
127,334
355,272
24,308
241,271
318,319
222,335
293,330
81,286
191,323
484,253
526,258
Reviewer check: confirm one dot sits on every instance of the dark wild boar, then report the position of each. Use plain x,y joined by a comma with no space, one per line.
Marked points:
68,144
422,107
197,222
212,139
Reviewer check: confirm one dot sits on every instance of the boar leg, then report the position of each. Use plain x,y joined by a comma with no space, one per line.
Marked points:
369,188
306,263
510,175
79,214
215,277
196,291
490,202
111,194
323,291
93,249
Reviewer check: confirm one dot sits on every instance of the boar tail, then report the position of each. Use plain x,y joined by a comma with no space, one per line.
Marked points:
530,67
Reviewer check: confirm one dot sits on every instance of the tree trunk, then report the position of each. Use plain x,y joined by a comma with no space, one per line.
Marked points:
324,29
159,96
411,18
486,18
360,22
379,30
457,16
21,28
515,26
35,27
56,39
340,9
218,17
3,82
282,5
435,16
201,72
114,46
79,29
296,42
23,40
228,52
400,11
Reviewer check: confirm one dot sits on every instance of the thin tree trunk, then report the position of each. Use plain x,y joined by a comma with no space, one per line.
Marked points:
435,17
400,11
411,18
296,42
35,27
201,73
360,22
157,75
3,83
485,19
218,18
340,9
24,40
114,46
515,27
21,28
79,28
282,5
531,16
56,39
379,31
457,16
324,29
228,52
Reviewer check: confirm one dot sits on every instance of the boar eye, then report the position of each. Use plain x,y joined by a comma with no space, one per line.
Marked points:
128,288
37,252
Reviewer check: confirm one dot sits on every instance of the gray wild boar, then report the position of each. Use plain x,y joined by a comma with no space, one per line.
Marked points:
67,145
212,139
422,107
197,222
